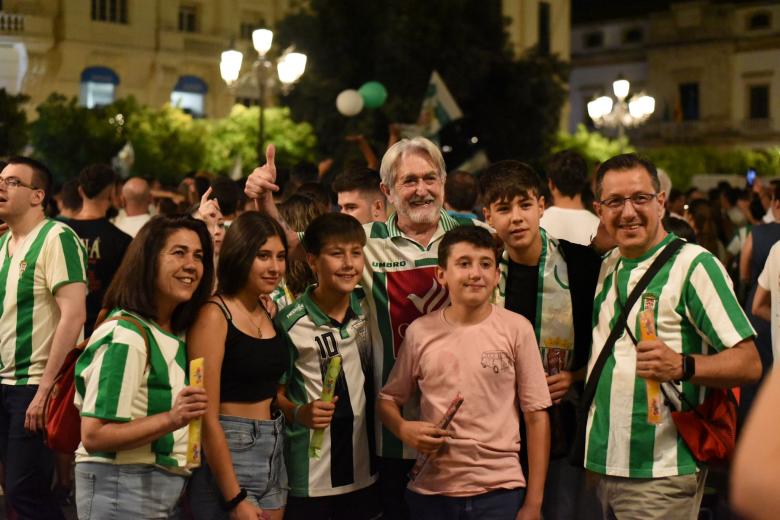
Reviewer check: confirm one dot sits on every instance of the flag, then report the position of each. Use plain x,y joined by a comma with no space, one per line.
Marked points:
438,107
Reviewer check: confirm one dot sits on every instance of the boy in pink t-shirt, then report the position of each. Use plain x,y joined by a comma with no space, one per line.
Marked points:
489,355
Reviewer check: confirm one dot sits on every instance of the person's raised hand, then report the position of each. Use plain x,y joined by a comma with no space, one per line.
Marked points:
263,179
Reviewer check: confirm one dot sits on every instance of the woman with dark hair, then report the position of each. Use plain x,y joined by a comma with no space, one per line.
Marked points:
243,473
131,380
701,217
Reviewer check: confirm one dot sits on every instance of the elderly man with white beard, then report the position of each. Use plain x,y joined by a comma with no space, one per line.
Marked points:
399,276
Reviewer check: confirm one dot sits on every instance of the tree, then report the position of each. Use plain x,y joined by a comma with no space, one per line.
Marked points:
514,104
593,146
13,123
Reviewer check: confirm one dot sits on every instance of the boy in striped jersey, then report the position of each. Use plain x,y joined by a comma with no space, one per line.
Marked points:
703,339
42,311
329,320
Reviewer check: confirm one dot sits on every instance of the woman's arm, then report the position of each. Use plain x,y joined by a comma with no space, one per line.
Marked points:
102,435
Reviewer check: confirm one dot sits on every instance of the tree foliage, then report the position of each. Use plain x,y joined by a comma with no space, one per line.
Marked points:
514,104
13,123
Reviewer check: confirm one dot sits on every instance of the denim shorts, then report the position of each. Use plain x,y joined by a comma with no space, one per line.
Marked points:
257,450
117,491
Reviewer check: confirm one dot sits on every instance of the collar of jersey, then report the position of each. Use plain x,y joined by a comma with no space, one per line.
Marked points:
318,317
652,252
446,222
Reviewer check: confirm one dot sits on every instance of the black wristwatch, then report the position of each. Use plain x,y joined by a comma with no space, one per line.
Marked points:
688,368
229,505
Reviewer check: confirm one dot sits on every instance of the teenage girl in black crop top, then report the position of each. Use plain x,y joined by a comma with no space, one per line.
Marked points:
243,471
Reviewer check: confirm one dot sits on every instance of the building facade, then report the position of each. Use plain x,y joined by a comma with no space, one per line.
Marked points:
156,50
712,66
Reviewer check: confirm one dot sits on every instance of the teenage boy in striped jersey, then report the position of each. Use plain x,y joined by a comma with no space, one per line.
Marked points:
551,283
704,339
329,320
42,311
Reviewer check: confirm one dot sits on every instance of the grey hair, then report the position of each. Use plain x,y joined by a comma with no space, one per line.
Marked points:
421,145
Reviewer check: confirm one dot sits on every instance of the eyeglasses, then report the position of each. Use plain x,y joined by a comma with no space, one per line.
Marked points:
637,200
13,182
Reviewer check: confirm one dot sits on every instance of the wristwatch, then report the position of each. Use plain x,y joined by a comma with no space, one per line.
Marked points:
688,368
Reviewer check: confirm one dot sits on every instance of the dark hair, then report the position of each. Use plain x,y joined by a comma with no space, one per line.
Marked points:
460,190
476,236
69,195
244,238
679,227
95,178
357,179
304,172
568,172
673,195
316,192
202,183
226,192
776,191
133,285
299,211
505,180
332,227
704,225
623,162
42,178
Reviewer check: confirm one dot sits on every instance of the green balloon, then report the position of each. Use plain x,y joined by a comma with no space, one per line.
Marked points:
374,94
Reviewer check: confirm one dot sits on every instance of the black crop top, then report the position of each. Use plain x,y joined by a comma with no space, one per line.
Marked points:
251,367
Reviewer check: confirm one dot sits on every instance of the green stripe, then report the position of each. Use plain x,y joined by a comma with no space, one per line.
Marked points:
391,446
540,287
160,394
112,374
25,302
423,262
379,230
4,276
297,446
75,255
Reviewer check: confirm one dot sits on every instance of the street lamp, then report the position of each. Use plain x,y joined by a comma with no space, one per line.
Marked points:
621,114
289,66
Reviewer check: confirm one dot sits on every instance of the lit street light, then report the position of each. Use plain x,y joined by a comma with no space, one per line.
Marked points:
289,67
621,114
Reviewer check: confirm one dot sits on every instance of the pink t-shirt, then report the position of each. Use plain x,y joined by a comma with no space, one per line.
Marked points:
495,365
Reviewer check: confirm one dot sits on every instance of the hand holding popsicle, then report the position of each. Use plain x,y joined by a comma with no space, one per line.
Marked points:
657,362
423,436
317,414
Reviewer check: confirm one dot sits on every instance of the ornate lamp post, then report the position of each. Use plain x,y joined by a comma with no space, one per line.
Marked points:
624,113
289,67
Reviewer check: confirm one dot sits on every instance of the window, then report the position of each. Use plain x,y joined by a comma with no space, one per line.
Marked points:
689,101
114,11
758,21
544,28
97,86
188,18
634,35
758,100
593,40
189,94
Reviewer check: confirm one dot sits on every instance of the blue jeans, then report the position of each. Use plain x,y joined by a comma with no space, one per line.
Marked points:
502,504
29,464
118,491
257,451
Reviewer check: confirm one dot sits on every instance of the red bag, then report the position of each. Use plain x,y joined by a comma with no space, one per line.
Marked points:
709,429
61,418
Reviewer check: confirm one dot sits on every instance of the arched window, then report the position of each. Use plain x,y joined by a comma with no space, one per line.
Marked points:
98,85
189,94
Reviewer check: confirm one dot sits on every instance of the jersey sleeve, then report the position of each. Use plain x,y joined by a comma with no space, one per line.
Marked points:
712,306
402,382
772,259
110,372
65,260
532,389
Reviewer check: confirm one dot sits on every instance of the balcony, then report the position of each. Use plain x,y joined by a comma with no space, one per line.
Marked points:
34,31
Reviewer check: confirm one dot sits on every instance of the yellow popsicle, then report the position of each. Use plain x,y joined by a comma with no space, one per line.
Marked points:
653,388
194,428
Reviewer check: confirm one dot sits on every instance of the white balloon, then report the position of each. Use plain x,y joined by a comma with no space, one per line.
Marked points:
349,102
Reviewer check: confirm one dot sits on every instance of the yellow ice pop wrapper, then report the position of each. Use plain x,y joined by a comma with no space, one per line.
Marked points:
647,331
194,428
328,387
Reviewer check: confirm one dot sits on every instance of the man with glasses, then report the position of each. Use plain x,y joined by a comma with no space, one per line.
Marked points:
42,295
703,339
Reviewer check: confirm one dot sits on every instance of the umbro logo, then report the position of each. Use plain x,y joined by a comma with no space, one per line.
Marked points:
401,263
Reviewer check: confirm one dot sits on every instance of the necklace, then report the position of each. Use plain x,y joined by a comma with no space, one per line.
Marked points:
249,315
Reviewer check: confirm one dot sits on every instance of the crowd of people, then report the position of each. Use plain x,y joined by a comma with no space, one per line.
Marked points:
484,326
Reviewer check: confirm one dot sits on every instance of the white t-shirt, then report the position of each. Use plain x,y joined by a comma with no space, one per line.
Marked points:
573,225
131,225
769,279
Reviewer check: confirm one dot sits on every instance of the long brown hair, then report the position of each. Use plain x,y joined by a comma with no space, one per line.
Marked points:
133,285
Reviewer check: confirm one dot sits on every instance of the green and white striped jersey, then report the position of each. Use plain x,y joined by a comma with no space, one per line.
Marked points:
114,381
696,313
347,461
400,283
51,256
